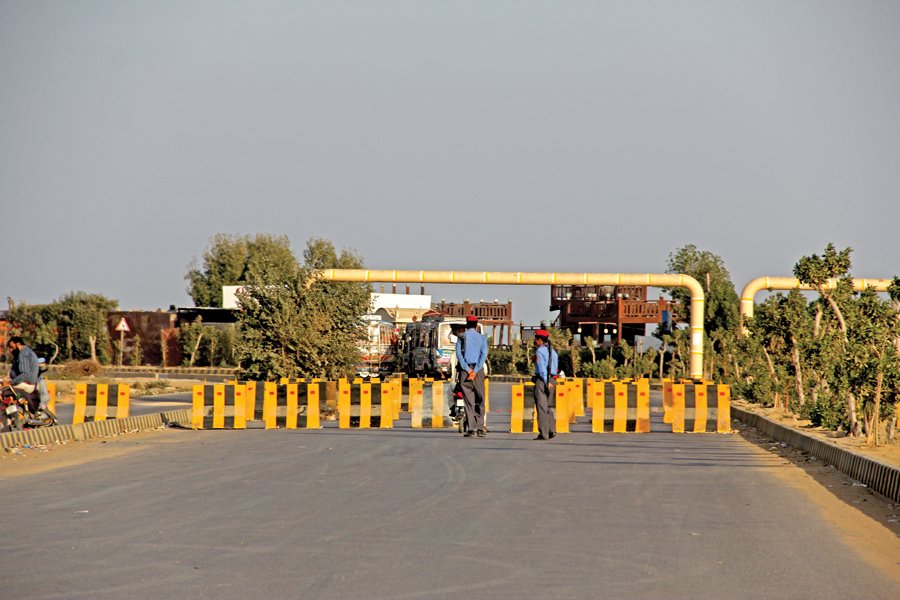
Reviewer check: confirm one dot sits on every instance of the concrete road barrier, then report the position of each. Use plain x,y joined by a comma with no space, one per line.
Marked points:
698,408
619,406
100,401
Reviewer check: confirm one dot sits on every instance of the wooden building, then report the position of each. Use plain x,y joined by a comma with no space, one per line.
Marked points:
495,315
621,312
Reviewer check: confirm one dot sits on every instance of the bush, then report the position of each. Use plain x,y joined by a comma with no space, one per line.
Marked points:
501,362
830,413
80,368
601,369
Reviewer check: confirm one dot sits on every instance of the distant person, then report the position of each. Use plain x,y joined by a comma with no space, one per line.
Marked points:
23,376
546,362
471,352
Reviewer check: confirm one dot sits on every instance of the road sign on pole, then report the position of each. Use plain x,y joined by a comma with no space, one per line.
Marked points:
123,325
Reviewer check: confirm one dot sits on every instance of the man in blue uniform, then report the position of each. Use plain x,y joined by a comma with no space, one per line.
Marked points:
471,352
546,364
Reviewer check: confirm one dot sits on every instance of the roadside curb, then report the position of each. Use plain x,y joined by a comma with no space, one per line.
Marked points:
87,431
878,476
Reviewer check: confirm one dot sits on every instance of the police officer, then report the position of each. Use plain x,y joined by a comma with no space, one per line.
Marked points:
546,363
471,352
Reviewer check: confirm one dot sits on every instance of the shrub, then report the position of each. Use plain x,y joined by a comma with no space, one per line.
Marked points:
79,368
501,362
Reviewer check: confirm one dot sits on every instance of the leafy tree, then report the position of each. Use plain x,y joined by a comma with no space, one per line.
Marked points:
204,345
875,365
783,325
817,270
230,259
38,324
709,269
294,324
82,322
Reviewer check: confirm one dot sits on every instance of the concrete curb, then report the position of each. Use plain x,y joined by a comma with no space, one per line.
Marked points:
87,431
878,476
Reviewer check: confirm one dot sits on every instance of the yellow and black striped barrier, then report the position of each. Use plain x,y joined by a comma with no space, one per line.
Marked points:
100,401
230,406
700,408
522,416
430,401
51,389
292,405
363,404
619,406
221,406
428,405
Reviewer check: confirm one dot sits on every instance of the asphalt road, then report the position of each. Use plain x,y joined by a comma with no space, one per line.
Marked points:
426,514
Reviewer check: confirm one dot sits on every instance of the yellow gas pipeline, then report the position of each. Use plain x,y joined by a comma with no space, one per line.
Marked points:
517,278
790,283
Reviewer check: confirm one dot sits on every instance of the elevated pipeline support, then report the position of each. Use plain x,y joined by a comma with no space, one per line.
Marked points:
698,299
791,283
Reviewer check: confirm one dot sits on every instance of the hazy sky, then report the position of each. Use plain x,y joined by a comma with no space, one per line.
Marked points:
500,136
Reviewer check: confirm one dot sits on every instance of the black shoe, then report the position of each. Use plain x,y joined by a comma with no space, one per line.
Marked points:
552,435
540,437
481,433
469,434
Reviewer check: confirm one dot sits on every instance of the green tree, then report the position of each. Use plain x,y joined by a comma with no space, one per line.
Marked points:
294,324
784,326
82,322
230,259
875,365
816,271
709,269
38,324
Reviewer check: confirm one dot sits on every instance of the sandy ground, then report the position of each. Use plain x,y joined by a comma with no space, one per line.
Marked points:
885,452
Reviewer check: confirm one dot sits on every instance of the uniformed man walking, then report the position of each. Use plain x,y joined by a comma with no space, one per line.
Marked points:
471,352
546,363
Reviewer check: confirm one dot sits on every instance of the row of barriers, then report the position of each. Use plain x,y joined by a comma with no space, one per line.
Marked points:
615,406
297,405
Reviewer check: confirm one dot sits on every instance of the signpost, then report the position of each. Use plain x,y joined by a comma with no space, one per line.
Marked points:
122,327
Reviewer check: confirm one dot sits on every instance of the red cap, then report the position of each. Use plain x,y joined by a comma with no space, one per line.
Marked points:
471,319
542,333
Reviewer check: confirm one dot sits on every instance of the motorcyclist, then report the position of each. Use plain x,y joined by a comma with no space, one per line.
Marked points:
25,371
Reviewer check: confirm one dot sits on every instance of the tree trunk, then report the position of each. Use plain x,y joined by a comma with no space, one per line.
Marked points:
817,324
798,374
876,416
855,428
775,400
837,313
164,347
93,340
662,355
194,351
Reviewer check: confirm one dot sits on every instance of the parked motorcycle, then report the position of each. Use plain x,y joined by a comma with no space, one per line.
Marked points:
19,410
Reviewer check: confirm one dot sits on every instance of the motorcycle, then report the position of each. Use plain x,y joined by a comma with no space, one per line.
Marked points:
458,409
19,410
